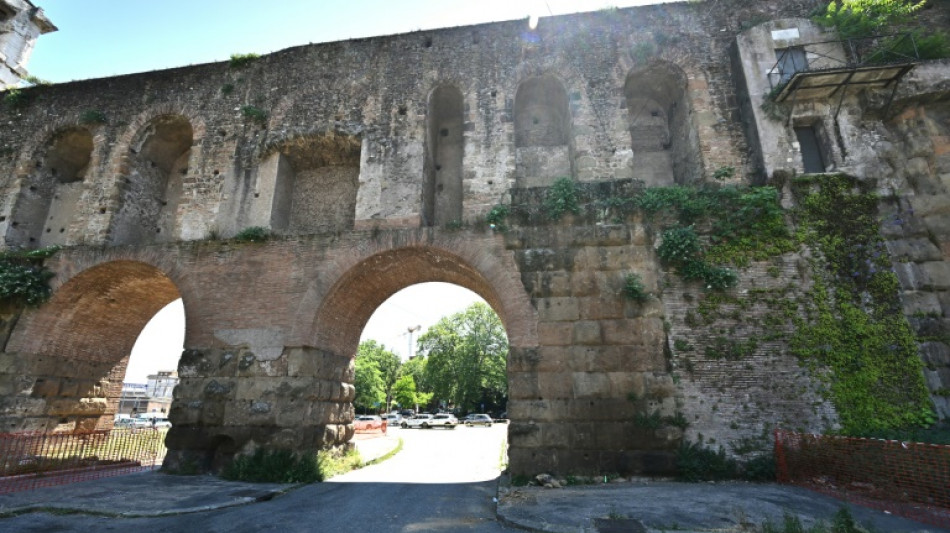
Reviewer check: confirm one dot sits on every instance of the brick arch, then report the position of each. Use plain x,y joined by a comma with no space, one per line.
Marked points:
78,344
367,282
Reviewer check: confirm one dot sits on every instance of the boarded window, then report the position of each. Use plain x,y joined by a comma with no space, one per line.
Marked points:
790,61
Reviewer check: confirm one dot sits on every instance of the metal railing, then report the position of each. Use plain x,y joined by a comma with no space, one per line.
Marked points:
910,479
39,459
876,51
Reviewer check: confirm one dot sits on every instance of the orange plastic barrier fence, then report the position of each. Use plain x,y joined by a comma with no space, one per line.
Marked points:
909,479
38,459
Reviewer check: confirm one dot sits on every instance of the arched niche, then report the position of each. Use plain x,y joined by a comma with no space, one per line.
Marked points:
542,132
311,182
442,193
665,149
152,190
49,198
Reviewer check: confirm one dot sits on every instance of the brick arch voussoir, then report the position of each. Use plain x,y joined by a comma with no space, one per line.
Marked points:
481,264
102,298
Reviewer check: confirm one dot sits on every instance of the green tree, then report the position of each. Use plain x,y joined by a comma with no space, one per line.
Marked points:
863,18
368,380
406,395
386,361
416,367
466,358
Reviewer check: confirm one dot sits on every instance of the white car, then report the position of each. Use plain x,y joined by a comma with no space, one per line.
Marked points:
445,420
423,421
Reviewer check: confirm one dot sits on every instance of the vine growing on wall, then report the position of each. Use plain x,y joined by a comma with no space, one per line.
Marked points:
23,278
852,322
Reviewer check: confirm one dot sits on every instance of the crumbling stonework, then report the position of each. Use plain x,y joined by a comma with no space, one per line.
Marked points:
374,163
21,23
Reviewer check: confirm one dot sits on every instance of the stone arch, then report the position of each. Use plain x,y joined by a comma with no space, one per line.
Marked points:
50,191
443,192
157,161
665,149
76,347
308,184
368,282
542,120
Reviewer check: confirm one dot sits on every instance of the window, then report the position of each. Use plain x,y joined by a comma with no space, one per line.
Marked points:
790,61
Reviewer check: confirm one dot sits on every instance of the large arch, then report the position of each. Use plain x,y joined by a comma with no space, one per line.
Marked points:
351,301
74,350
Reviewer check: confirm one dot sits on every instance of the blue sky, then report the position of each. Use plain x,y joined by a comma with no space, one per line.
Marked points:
98,38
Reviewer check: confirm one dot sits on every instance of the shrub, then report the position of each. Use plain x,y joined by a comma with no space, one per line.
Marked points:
496,218
253,234
633,288
242,60
23,278
561,198
254,113
697,463
274,466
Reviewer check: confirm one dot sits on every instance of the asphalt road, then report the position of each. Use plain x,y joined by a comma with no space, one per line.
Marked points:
442,480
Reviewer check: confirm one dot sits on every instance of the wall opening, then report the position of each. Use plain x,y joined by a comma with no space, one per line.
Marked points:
151,193
77,346
815,147
151,374
542,132
442,193
49,199
664,145
312,183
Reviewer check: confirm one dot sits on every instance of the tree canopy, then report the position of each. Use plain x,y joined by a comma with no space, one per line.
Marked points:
466,355
387,363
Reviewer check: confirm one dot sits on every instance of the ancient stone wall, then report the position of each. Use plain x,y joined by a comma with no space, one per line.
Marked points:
374,163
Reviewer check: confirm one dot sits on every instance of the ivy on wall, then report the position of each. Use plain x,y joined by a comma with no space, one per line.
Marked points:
23,278
852,322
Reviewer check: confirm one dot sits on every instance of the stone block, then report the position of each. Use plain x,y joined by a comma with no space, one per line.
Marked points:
918,303
606,307
523,385
557,309
554,333
524,435
586,333
935,354
936,274
591,385
624,331
555,385
626,384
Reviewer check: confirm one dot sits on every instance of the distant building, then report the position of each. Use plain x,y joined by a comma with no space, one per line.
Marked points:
153,397
21,23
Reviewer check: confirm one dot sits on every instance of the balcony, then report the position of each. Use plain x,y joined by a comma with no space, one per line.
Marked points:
823,70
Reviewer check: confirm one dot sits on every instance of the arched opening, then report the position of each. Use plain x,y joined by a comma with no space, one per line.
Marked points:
151,375
311,183
442,195
152,191
542,132
664,145
75,349
50,195
448,326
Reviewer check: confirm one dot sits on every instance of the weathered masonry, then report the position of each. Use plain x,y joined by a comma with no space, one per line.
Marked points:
375,163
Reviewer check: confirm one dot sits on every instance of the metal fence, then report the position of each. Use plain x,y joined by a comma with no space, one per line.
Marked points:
38,459
909,479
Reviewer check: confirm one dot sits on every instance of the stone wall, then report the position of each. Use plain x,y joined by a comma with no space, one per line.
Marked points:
374,163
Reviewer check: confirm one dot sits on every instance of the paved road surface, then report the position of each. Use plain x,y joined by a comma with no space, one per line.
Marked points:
442,480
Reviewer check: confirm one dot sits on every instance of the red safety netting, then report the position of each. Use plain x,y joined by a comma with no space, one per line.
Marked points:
38,459
909,479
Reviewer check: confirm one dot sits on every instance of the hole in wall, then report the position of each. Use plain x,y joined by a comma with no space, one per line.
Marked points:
403,110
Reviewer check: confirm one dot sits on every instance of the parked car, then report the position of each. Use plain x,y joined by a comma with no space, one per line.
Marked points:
369,423
446,420
478,420
394,419
423,421
131,423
